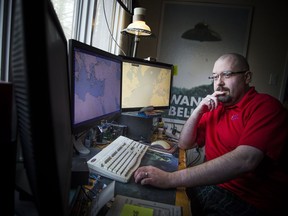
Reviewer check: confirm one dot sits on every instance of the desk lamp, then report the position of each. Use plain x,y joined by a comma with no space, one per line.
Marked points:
138,27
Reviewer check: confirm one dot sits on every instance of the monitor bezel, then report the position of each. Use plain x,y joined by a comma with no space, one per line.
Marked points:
43,114
82,127
148,63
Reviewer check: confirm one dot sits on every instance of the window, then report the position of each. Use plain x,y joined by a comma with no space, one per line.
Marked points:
109,21
96,22
65,10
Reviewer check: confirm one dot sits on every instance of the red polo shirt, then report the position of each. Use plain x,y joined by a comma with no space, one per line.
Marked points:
258,120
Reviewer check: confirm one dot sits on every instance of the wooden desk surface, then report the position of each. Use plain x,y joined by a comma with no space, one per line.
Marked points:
181,196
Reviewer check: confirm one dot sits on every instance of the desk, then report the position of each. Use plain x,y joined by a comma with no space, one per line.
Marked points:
167,162
181,196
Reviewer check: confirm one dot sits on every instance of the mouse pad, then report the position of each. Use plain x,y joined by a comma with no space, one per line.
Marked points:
167,162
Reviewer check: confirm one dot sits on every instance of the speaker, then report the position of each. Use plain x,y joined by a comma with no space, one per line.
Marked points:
80,172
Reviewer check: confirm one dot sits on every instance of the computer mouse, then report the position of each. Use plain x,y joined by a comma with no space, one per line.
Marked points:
161,144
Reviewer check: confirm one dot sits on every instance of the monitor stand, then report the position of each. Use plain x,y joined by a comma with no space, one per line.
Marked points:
79,146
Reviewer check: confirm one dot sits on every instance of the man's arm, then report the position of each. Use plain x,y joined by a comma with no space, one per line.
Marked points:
226,167
242,159
189,132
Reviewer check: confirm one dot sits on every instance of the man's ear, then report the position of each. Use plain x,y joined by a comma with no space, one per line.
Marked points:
248,77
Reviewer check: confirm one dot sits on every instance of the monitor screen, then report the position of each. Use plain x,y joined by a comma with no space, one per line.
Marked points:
40,76
145,83
95,85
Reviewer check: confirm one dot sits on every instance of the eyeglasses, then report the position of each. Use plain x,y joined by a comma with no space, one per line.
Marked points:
226,74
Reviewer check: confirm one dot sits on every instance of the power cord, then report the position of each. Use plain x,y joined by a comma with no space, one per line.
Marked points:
105,16
198,157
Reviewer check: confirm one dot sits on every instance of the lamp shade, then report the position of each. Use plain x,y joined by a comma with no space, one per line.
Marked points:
138,26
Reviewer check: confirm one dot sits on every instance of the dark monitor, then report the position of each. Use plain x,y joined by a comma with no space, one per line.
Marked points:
95,85
145,83
39,67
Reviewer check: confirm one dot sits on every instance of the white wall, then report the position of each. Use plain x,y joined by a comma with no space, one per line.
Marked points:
267,48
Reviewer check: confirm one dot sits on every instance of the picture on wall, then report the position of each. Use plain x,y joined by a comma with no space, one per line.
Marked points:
192,37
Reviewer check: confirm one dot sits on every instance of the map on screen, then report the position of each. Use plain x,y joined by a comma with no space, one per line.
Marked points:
145,85
97,86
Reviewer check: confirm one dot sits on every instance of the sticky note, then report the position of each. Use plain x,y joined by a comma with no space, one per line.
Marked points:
175,70
132,210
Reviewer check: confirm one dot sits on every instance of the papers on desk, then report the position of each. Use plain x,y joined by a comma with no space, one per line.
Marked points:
129,209
127,205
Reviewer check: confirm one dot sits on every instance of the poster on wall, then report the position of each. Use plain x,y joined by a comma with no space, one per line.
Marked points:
192,36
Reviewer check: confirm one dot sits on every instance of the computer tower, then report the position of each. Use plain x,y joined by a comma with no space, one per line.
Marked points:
139,127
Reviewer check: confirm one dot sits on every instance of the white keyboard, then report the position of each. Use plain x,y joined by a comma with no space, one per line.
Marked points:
119,159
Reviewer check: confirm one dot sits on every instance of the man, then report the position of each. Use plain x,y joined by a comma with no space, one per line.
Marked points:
245,134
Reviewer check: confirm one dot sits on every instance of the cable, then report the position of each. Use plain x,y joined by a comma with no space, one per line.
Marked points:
125,7
77,136
105,16
196,159
85,192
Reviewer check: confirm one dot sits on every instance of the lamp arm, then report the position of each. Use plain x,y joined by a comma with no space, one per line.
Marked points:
136,41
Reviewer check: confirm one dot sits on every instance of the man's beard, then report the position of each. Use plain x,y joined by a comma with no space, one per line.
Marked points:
224,98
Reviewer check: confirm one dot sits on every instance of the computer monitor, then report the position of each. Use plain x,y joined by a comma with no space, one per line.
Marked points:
39,67
145,83
95,86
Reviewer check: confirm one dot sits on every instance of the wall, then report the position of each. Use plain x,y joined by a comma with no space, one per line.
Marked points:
267,48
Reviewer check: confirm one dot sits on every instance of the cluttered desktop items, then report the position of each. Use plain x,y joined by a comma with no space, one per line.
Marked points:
122,156
108,197
126,190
